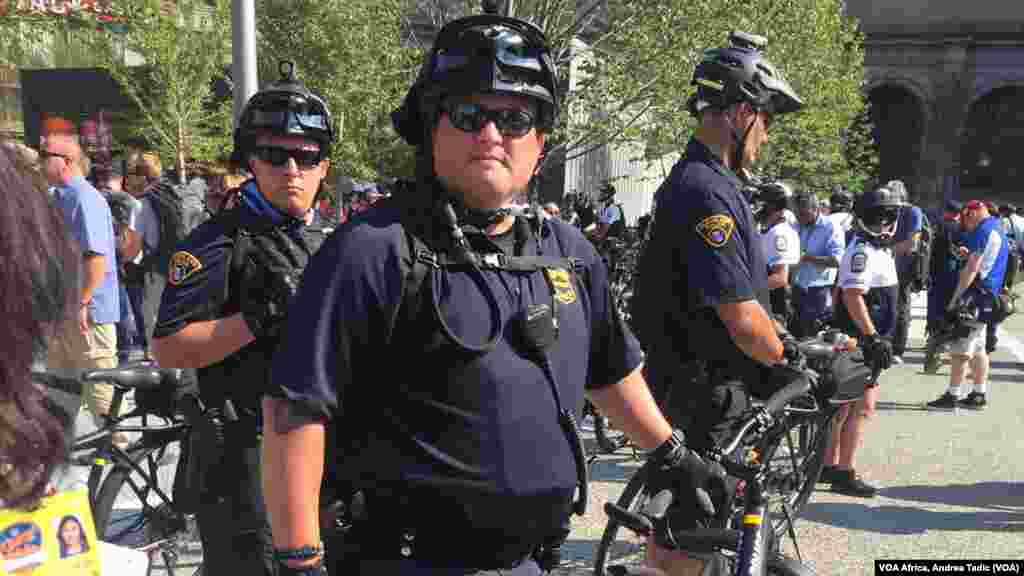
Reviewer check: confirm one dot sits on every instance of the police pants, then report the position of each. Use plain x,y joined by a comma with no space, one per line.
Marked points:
902,331
991,339
232,518
813,306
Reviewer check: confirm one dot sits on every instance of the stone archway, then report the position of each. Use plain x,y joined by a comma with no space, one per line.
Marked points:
898,116
990,152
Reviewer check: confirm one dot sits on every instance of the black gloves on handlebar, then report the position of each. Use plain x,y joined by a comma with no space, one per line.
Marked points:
266,299
791,353
877,352
693,480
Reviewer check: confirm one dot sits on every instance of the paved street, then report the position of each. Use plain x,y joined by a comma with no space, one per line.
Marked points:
951,482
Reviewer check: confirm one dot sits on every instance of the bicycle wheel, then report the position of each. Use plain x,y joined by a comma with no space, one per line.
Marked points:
133,508
795,457
623,547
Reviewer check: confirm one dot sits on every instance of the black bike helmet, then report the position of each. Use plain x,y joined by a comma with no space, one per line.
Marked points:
878,212
741,73
776,195
841,200
286,108
485,53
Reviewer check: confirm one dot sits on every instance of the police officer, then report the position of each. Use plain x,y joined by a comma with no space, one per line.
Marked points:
227,293
703,274
493,321
780,243
612,221
867,310
908,240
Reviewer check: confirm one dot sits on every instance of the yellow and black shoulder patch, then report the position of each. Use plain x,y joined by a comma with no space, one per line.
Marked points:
716,229
183,265
561,284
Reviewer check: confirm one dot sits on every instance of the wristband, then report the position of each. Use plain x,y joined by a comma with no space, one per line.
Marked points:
316,569
304,553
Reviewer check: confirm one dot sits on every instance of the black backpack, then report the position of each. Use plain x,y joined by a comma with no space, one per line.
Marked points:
920,259
179,209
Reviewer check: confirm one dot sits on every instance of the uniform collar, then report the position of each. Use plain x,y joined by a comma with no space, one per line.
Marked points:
699,151
258,205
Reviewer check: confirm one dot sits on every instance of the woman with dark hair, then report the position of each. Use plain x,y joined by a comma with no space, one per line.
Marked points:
71,537
38,288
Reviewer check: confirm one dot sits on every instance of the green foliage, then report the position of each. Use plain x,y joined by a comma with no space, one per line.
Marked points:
351,53
184,50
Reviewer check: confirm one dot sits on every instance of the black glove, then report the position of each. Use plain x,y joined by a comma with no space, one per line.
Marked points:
877,351
692,480
791,353
265,301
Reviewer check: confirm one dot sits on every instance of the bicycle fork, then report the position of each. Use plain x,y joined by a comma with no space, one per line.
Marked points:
755,533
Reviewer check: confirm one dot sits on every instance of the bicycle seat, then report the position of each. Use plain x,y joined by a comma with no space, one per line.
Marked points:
137,375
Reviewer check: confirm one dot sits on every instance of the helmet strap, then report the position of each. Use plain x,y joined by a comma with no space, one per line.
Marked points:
739,141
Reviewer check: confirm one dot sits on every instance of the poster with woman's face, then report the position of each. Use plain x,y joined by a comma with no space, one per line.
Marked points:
57,538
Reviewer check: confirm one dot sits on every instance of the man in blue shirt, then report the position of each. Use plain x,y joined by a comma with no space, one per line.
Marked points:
908,238
90,341
980,282
821,250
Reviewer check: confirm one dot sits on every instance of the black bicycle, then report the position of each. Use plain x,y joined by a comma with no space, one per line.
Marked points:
780,447
130,488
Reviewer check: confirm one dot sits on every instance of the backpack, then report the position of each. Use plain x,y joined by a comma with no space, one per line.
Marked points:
409,327
179,208
920,258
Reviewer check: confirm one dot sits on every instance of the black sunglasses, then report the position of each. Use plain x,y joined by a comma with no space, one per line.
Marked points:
277,156
471,117
883,216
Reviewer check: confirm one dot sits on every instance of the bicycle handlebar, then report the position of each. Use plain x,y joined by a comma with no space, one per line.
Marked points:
68,385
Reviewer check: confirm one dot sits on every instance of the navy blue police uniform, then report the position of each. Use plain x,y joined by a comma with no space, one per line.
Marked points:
703,224
432,433
223,263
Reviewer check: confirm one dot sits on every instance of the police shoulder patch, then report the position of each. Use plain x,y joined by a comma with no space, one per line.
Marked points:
561,284
858,262
716,229
182,266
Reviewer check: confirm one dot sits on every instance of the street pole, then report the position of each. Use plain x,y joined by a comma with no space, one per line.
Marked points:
243,52
509,7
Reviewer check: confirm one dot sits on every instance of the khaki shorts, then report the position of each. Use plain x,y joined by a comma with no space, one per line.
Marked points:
972,345
70,353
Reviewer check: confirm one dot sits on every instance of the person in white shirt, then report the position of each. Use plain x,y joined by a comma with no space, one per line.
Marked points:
780,243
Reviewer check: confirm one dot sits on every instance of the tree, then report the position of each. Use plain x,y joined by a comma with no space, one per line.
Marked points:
184,50
351,53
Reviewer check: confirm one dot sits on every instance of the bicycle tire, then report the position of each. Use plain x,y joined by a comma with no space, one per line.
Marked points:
795,488
156,522
632,498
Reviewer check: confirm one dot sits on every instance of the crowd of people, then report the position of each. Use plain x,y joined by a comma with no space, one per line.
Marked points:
498,320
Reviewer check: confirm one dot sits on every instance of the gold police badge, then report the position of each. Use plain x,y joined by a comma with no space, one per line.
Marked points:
182,266
561,284
716,230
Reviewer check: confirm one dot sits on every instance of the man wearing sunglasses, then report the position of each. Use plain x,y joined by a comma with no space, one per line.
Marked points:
473,419
866,309
228,289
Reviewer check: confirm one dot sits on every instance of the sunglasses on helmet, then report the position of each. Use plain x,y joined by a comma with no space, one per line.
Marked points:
472,117
522,49
278,156
278,120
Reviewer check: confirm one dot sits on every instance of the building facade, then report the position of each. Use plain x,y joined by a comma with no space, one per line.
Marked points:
946,82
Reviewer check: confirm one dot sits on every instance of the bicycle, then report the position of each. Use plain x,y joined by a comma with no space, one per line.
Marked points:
159,526
782,459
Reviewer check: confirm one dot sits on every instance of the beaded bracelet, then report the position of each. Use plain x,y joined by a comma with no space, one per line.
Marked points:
304,553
